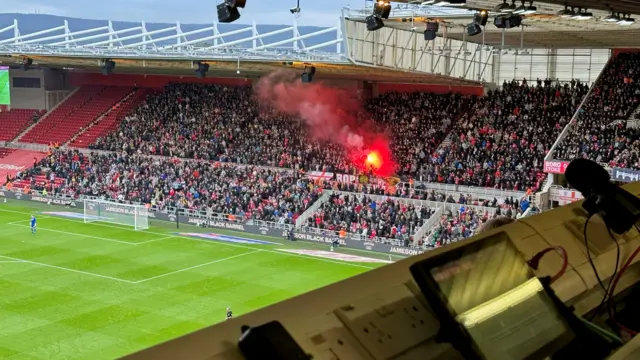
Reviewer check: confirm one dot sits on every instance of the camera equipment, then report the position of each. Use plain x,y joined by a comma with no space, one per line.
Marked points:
269,341
620,209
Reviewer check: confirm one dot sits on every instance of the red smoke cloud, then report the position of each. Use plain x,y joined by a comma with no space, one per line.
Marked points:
331,114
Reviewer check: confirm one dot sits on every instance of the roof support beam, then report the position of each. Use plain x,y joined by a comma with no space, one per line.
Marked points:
98,36
283,42
141,35
253,39
55,37
34,34
214,37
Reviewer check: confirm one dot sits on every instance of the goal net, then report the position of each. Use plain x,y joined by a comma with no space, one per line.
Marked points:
116,213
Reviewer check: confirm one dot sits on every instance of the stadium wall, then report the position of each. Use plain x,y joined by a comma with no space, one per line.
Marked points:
381,88
151,81
616,52
27,89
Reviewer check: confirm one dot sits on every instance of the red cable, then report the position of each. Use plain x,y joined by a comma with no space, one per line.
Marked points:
535,261
613,288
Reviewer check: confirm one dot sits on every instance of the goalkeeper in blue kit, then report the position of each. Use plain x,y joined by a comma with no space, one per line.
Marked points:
33,224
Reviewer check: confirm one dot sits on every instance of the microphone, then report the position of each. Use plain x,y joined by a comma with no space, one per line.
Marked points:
620,209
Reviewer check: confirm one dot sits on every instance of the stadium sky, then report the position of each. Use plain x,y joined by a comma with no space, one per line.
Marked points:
314,12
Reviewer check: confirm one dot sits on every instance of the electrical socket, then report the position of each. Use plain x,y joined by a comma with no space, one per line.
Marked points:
332,341
390,322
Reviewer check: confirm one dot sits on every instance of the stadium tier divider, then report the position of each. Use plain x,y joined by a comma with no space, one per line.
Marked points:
452,189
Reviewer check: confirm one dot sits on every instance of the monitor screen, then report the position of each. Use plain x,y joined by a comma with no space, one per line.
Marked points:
5,93
491,291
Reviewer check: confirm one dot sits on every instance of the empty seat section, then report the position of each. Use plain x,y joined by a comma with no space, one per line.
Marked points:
77,112
110,121
15,121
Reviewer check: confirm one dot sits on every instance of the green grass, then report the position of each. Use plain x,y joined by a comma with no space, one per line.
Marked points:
99,291
5,93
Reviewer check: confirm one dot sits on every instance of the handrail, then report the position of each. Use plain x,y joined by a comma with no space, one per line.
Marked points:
461,189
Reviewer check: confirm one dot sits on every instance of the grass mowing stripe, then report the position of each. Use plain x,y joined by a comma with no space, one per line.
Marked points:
66,269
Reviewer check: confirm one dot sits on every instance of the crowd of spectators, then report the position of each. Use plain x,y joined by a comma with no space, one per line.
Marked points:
601,132
419,193
220,123
226,124
364,215
246,192
456,226
502,141
497,141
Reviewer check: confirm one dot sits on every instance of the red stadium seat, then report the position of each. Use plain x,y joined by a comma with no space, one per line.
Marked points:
110,121
14,122
75,113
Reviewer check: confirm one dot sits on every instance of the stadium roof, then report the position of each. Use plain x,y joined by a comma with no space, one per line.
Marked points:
543,29
248,69
61,36
171,48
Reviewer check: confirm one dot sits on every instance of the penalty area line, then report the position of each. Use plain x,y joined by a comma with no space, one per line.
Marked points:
65,269
197,266
76,234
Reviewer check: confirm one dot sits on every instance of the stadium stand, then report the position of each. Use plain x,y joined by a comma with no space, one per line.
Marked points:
110,121
419,123
455,226
601,132
361,214
501,134
240,191
15,121
76,113
502,141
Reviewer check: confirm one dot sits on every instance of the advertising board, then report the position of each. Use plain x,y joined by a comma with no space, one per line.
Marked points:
300,234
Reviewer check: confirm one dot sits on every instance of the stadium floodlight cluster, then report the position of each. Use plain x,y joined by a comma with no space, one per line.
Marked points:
116,213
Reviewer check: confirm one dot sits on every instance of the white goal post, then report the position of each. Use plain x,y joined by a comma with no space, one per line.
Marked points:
116,213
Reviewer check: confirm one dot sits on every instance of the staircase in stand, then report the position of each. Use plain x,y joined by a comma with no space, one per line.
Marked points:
33,124
74,114
109,121
15,121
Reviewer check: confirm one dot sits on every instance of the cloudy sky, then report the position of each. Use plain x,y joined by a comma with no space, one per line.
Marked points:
314,12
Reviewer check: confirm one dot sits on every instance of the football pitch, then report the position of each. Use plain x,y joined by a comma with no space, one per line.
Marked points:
101,291
5,92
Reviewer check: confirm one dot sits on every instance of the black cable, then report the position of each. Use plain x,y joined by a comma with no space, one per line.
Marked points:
615,272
